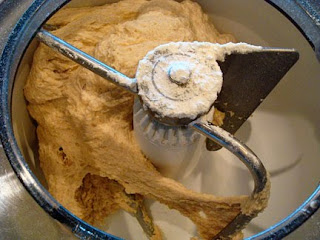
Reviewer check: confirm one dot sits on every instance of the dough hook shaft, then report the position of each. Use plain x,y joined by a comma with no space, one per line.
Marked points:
252,162
245,154
87,61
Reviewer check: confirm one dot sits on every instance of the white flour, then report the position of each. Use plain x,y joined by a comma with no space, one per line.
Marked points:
183,79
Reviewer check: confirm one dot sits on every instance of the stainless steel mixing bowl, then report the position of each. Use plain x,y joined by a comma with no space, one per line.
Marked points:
287,121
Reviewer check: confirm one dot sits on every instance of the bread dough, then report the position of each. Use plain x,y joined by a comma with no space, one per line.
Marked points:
87,150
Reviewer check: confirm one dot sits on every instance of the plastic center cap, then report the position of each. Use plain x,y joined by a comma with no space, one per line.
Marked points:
179,73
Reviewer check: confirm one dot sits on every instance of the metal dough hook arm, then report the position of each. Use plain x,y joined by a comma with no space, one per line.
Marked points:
87,61
245,154
252,162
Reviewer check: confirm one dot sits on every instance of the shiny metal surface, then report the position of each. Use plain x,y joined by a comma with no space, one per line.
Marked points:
252,162
245,154
281,229
21,217
87,61
305,14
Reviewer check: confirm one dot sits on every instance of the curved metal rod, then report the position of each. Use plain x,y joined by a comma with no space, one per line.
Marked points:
245,154
252,162
87,61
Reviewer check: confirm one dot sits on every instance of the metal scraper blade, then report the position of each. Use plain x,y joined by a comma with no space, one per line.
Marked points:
247,81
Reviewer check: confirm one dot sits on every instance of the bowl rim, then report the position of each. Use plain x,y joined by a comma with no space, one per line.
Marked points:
17,43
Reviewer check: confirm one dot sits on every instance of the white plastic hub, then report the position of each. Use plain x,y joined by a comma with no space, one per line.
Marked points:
180,80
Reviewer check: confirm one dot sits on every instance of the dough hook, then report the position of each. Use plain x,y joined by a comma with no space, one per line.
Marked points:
214,133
